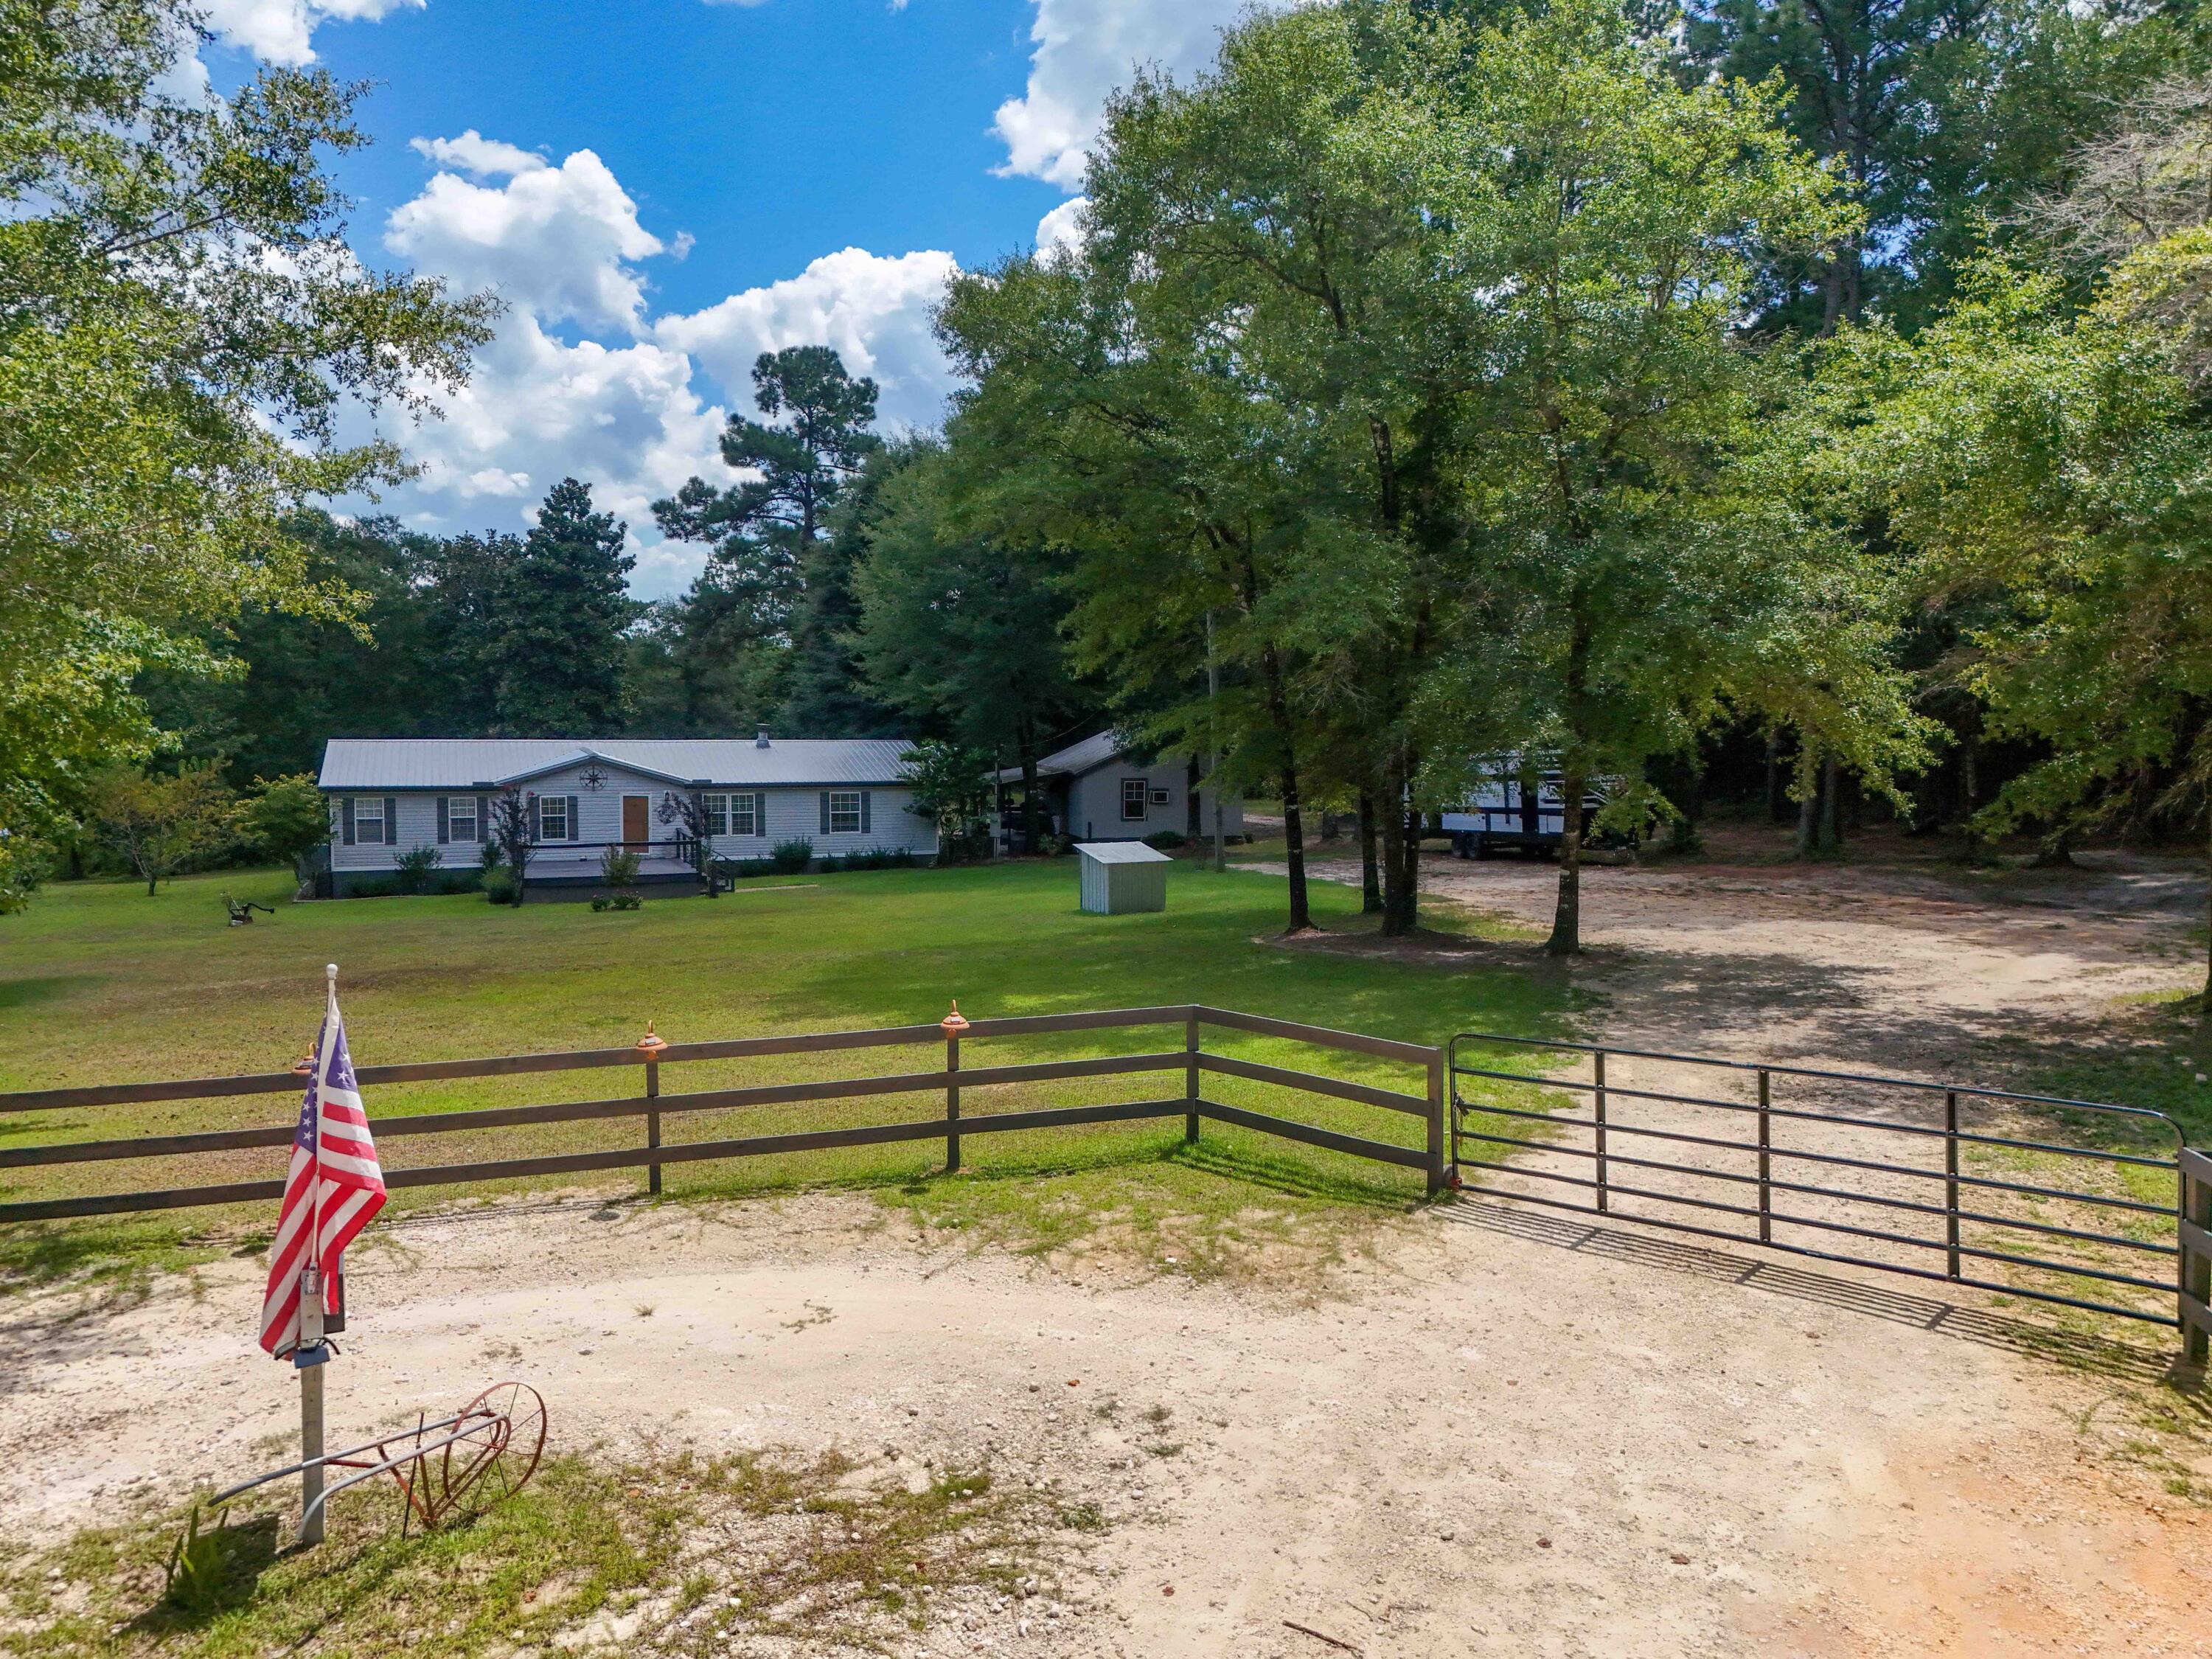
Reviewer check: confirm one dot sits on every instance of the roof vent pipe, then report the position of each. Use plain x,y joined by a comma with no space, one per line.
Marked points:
760,742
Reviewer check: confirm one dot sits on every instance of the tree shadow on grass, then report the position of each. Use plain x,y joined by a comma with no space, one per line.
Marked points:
215,1570
42,987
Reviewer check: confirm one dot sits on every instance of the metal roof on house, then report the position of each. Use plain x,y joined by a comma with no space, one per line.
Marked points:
1122,851
1076,759
468,763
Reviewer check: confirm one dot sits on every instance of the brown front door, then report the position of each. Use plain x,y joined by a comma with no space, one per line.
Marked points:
634,830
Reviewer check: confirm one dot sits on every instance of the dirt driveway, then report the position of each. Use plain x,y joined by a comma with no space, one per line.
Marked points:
1506,1432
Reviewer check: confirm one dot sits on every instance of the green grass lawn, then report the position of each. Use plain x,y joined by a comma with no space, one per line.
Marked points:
101,983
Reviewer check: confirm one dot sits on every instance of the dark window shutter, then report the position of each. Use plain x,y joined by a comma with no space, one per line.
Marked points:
345,815
483,818
825,811
575,832
866,795
760,814
392,820
444,823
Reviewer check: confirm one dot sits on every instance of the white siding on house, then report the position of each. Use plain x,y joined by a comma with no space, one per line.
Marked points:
1094,804
792,814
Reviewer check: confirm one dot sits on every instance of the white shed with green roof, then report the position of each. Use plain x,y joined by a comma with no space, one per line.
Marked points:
1121,877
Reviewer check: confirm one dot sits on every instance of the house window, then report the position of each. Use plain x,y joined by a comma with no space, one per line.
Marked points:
552,817
461,817
1133,799
368,818
1160,797
844,811
717,815
744,820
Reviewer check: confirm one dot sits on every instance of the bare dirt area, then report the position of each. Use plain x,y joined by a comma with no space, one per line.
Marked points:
1505,1430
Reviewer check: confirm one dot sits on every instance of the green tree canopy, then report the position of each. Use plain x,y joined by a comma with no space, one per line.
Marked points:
181,324
558,658
962,632
772,574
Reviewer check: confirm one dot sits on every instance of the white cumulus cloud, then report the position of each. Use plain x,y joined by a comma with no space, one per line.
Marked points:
640,408
874,309
1063,226
486,158
283,31
1084,48
562,242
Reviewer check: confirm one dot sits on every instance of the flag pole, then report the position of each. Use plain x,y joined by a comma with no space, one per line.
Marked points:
313,1352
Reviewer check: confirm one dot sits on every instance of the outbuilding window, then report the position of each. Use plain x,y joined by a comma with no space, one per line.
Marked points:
1133,799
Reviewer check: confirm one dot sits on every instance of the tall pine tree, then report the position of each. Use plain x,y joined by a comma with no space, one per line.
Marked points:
560,659
772,549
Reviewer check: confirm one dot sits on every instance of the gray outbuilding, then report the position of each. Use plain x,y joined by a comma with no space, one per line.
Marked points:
1120,876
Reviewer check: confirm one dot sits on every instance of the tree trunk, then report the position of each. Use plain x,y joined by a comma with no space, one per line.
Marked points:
1567,939
1404,894
1294,849
1808,802
1370,875
1392,824
1831,836
1194,824
2207,960
1778,804
1030,823
150,879
1294,837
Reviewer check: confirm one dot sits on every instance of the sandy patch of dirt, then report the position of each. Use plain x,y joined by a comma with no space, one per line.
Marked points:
1894,961
1506,1432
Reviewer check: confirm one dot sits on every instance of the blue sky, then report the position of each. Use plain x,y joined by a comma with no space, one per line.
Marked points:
662,189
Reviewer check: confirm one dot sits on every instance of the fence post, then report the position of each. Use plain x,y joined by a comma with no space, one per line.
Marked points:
1190,1077
2195,1241
952,1026
1436,1172
1765,1156
1951,1179
1598,1101
650,1045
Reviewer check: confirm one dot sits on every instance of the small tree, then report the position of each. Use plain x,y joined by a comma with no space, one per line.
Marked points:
953,787
286,817
159,825
688,813
512,831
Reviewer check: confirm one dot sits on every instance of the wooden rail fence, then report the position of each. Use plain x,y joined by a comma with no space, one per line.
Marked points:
1191,1059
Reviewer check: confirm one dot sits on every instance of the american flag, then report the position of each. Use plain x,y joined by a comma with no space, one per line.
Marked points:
332,1189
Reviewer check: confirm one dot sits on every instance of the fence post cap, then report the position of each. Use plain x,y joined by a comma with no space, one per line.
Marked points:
954,1022
649,1045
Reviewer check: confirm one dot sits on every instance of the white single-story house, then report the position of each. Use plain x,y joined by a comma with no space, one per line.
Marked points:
388,795
1104,788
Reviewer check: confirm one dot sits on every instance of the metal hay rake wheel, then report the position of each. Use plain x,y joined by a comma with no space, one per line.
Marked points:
473,1472
481,1455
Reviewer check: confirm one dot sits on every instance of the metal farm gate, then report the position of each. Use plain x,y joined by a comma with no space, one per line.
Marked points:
2075,1202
